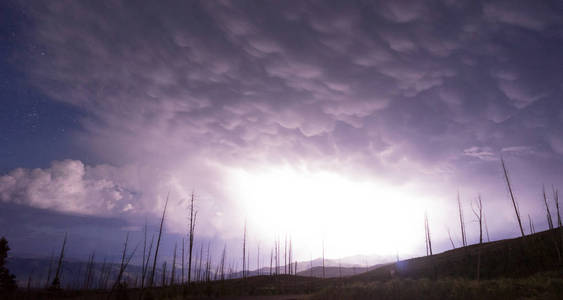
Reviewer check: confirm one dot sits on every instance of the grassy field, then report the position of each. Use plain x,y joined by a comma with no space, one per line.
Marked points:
542,286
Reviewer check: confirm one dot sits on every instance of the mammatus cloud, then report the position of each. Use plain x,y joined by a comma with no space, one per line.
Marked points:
480,153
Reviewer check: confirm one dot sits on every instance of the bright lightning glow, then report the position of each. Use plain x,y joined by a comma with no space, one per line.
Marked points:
352,217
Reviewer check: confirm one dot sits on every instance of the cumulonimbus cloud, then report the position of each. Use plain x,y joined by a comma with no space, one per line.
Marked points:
380,89
69,186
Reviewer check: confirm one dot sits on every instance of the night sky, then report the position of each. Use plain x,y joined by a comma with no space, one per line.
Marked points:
342,121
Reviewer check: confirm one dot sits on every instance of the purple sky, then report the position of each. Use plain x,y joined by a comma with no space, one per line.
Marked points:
335,120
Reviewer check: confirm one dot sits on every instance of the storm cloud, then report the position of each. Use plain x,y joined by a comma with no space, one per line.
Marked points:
175,94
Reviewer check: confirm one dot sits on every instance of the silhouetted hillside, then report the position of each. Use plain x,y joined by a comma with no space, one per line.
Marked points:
518,257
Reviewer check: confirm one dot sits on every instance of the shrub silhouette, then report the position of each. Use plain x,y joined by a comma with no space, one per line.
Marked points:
7,280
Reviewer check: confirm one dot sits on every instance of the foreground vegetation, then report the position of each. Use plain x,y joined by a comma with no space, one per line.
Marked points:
544,286
547,285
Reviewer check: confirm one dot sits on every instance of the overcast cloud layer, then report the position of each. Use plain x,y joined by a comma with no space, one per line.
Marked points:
175,94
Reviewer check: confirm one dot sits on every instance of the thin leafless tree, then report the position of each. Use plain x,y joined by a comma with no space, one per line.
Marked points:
258,259
199,269
191,233
427,233
486,227
324,274
56,281
285,256
244,252
151,281
125,259
50,269
173,274
89,271
271,260
478,211
451,240
531,224
278,259
516,210
222,265
183,254
556,199
146,261
290,256
548,213
208,264
163,283
143,264
461,221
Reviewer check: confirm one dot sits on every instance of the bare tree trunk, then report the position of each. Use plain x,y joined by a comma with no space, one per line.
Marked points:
531,224
426,237
244,252
200,269
516,210
89,271
57,282
461,221
486,227
49,270
163,274
428,241
324,274
208,265
258,260
173,274
277,257
556,198
151,282
222,269
143,266
183,255
549,219
451,241
124,261
123,265
285,256
271,259
479,214
146,262
193,217
290,256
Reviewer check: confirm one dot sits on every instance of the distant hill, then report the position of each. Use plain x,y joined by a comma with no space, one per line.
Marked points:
517,257
37,270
